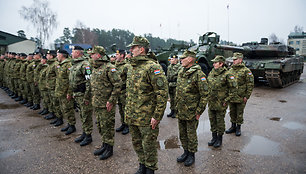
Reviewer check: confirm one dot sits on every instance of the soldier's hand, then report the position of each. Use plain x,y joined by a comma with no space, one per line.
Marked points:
245,99
86,102
154,123
198,116
224,104
109,106
68,97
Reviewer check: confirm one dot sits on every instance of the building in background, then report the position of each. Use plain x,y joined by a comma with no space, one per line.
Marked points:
298,42
13,43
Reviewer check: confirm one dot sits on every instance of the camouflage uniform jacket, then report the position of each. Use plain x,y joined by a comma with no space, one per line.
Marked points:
191,92
79,77
11,73
62,78
105,83
245,81
51,74
30,70
23,69
37,72
222,88
172,73
42,81
7,67
122,67
17,69
147,91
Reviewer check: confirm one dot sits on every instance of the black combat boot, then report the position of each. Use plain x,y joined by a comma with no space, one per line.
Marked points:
14,96
183,157
32,106
24,101
213,140
190,159
218,143
45,112
149,171
36,107
50,116
70,130
80,138
64,129
171,113
11,94
40,111
100,150
238,130
231,129
18,99
29,104
107,153
142,169
126,130
59,122
119,129
54,121
87,140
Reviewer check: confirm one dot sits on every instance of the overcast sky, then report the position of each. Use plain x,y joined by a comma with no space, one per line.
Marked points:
244,20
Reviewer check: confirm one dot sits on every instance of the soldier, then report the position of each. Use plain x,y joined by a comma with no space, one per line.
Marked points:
42,81
20,72
122,67
222,88
191,93
79,82
172,73
62,90
245,82
26,93
113,59
105,87
147,93
2,63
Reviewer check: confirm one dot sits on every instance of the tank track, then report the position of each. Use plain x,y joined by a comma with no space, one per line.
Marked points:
279,79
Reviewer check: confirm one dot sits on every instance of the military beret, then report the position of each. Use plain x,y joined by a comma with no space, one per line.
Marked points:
53,52
62,52
218,58
120,51
22,55
140,41
77,48
44,57
188,53
98,49
89,51
13,53
31,54
237,56
37,53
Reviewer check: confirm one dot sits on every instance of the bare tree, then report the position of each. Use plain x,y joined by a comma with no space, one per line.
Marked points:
84,35
41,17
273,38
298,29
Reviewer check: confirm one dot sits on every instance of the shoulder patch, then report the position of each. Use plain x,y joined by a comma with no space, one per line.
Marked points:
113,69
156,71
69,68
58,66
87,67
203,78
232,77
249,73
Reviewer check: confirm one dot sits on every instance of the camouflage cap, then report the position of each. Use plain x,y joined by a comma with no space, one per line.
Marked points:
141,41
218,58
188,53
237,56
98,49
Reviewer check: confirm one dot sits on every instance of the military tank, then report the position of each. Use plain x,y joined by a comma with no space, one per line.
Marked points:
275,62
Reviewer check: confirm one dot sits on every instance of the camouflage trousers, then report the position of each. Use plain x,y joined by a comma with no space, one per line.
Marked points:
27,93
106,124
55,105
20,87
85,114
144,141
121,105
172,97
217,123
45,98
16,86
188,134
236,112
67,109
35,93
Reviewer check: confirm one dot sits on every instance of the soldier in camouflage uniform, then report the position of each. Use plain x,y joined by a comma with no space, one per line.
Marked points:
79,82
222,89
10,74
245,81
20,72
122,67
172,73
105,88
42,81
62,90
191,92
15,76
1,70
26,93
147,94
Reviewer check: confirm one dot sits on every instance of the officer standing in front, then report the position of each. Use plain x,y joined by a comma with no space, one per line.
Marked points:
147,94
191,93
172,73
222,88
79,82
245,81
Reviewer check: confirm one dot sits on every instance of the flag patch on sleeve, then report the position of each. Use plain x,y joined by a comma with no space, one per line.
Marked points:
250,73
58,66
156,71
203,78
87,67
113,69
232,77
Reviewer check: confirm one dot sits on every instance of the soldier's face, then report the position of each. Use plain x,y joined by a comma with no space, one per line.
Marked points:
76,54
186,62
217,65
136,50
95,56
173,60
237,61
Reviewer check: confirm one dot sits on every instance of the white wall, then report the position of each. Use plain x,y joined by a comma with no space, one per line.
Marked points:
26,46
